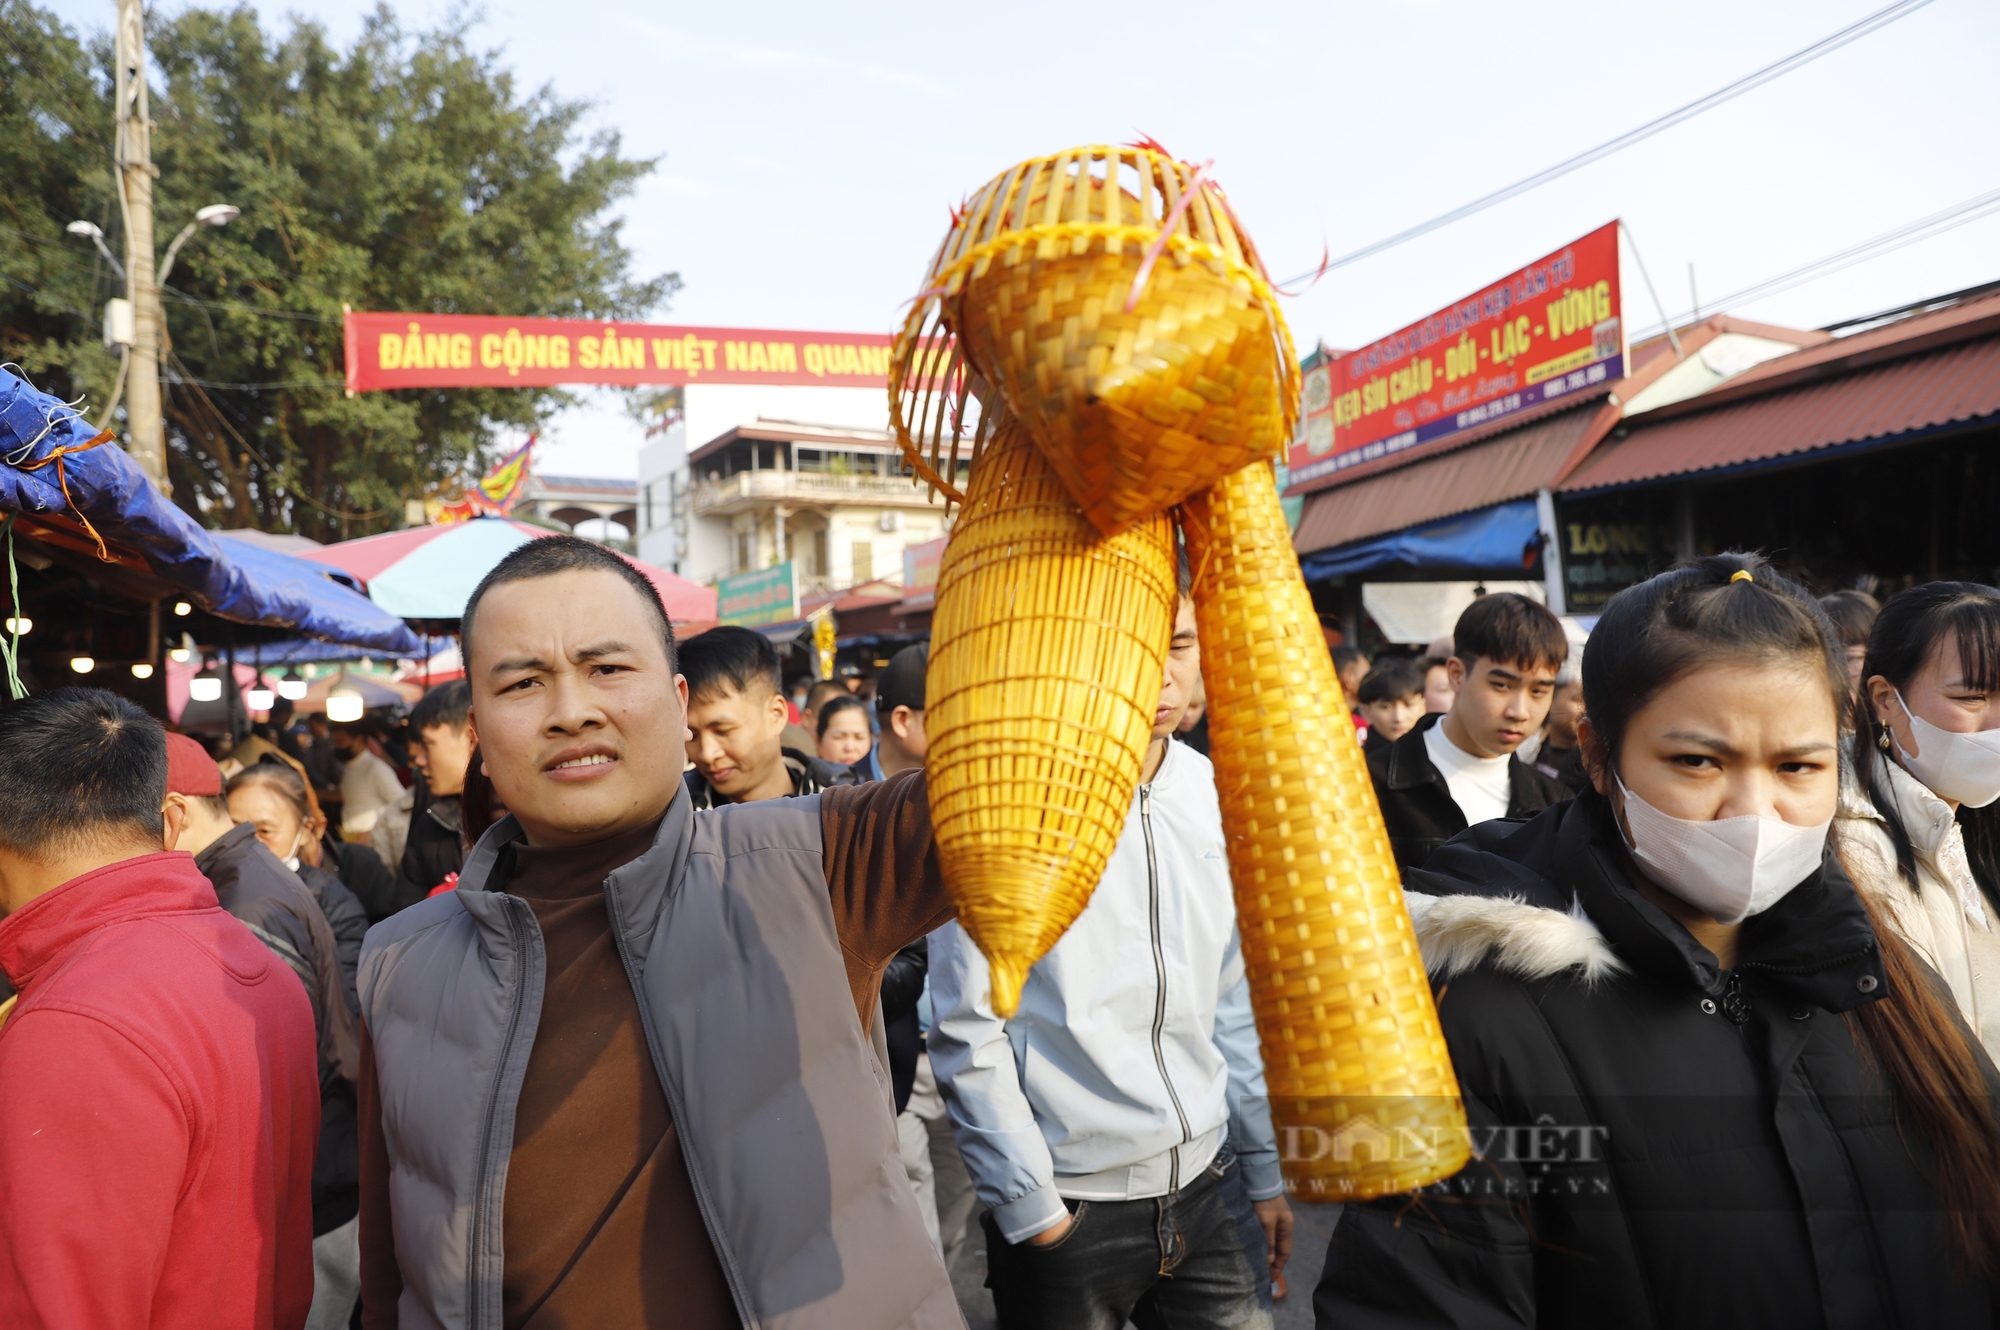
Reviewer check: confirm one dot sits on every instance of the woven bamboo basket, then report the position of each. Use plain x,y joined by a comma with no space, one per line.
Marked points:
1360,1081
1047,648
1110,298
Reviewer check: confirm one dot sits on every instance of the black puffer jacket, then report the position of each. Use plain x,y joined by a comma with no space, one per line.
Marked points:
1417,806
362,872
1657,1143
347,919
254,885
435,847
282,910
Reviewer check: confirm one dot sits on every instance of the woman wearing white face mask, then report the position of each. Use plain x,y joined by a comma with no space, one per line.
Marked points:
1924,839
1704,1088
272,797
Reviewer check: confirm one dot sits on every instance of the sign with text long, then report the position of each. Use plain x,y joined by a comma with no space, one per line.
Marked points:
1552,328
494,351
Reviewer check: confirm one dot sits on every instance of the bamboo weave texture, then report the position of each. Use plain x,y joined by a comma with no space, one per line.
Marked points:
1047,648
1026,300
1360,1081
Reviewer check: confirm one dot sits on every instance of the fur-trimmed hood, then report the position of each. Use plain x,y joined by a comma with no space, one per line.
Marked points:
1555,896
1528,941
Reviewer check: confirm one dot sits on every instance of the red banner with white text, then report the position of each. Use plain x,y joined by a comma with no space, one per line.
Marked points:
1547,330
494,351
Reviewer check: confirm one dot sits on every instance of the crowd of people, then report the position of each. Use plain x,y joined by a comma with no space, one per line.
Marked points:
619,986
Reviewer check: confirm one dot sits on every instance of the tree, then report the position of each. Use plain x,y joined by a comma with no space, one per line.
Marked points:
405,173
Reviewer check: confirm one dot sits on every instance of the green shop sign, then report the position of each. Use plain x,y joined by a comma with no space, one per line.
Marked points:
769,595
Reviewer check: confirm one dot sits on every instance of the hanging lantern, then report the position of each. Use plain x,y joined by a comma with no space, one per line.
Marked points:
206,686
344,704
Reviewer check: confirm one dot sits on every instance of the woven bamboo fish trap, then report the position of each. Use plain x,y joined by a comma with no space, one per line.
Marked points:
1097,341
1046,653
1109,297
1360,1081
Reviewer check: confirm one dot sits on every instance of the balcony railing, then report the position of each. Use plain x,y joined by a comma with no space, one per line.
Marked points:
747,488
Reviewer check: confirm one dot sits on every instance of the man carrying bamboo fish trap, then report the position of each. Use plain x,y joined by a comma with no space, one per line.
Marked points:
705,1135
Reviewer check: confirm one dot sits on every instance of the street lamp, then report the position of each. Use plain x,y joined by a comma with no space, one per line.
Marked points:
215,214
136,322
96,234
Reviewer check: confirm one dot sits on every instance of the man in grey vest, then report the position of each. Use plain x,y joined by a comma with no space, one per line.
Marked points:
626,1073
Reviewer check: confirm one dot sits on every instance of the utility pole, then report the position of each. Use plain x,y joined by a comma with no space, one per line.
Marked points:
145,437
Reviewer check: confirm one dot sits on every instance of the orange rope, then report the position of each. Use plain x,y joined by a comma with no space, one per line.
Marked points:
62,479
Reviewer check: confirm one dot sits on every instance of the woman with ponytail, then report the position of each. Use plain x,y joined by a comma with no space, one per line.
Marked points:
1707,1085
1919,826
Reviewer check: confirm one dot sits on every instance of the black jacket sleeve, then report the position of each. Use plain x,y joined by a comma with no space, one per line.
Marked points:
1530,791
362,872
903,979
288,937
349,921
1456,1254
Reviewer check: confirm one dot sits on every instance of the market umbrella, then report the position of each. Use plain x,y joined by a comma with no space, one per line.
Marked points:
375,691
429,572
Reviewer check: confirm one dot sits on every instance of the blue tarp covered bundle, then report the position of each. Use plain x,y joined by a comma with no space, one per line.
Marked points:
228,577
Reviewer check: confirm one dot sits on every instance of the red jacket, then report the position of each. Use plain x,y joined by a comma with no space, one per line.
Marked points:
159,1109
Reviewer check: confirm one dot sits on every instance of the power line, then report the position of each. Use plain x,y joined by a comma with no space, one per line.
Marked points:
59,254
171,377
1909,233
1881,18
274,473
53,299
238,307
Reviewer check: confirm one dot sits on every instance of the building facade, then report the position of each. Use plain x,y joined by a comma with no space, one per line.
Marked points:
1858,454
777,473
841,503
694,415
577,502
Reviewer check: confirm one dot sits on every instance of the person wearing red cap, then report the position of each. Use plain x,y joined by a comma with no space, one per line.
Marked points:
158,1106
253,884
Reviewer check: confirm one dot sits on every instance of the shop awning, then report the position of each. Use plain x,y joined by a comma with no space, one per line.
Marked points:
429,572
1517,463
1937,389
228,577
1413,613
1506,535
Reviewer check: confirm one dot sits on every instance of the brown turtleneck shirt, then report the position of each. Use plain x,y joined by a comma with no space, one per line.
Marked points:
599,1221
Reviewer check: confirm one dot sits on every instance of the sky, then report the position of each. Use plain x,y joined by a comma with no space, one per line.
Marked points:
808,153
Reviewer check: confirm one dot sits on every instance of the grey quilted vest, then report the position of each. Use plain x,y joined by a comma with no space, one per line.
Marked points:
728,937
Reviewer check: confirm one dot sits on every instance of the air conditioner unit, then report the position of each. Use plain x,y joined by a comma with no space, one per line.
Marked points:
892,521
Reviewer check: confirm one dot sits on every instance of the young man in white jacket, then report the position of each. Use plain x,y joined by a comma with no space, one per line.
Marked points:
1098,1123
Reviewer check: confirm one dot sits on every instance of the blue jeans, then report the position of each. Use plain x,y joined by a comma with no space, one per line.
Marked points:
1168,1263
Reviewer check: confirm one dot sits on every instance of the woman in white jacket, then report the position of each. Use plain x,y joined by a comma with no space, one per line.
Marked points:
1919,826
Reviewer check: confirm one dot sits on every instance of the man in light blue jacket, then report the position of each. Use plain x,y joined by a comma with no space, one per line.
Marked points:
1098,1123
